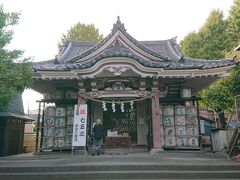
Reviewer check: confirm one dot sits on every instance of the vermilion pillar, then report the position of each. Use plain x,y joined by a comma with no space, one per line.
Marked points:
156,120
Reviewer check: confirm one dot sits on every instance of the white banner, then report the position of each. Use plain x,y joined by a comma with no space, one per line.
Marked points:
80,125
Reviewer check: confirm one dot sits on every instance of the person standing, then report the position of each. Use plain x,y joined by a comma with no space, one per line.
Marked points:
98,134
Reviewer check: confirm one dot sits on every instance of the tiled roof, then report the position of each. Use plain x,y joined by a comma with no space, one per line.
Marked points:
74,48
15,109
162,47
16,105
167,51
184,63
169,48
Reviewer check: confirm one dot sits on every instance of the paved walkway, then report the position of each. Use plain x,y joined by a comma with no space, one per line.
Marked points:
162,158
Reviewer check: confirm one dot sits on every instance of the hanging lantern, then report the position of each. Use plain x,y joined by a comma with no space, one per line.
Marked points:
122,106
131,104
104,106
113,106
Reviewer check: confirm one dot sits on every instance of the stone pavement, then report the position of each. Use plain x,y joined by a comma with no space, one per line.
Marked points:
161,158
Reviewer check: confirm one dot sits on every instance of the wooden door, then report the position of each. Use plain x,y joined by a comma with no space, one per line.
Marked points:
142,123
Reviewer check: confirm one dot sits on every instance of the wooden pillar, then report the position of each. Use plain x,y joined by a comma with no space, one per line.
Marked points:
156,128
81,93
156,121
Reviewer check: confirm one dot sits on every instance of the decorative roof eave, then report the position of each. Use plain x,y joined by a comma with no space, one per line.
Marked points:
120,52
64,51
172,44
221,72
54,75
135,66
208,64
118,93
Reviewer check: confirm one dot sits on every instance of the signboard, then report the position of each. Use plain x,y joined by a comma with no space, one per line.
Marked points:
80,125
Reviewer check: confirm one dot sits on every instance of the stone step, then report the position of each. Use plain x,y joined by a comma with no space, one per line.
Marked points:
165,165
139,167
117,151
124,151
127,174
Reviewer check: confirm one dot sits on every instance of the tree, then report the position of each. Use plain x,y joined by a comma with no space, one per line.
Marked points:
81,32
218,98
209,41
233,30
191,45
233,27
234,79
15,71
216,39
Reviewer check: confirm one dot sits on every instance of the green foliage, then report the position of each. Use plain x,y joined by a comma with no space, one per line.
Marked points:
233,55
234,85
233,28
191,45
218,97
81,32
216,39
15,71
233,31
209,41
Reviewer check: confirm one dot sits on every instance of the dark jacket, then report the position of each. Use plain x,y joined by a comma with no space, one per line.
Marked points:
98,131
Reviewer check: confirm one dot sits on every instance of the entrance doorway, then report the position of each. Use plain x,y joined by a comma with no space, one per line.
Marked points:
123,122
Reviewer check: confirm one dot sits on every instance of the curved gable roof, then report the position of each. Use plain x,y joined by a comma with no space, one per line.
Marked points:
158,50
155,54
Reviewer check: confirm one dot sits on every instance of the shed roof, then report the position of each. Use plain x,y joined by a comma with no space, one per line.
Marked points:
15,109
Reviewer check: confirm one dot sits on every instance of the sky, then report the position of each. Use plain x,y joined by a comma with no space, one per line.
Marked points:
42,22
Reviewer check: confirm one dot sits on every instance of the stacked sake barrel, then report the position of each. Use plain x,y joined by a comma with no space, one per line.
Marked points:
58,127
179,127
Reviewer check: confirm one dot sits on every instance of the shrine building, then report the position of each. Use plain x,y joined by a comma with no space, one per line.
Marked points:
145,92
